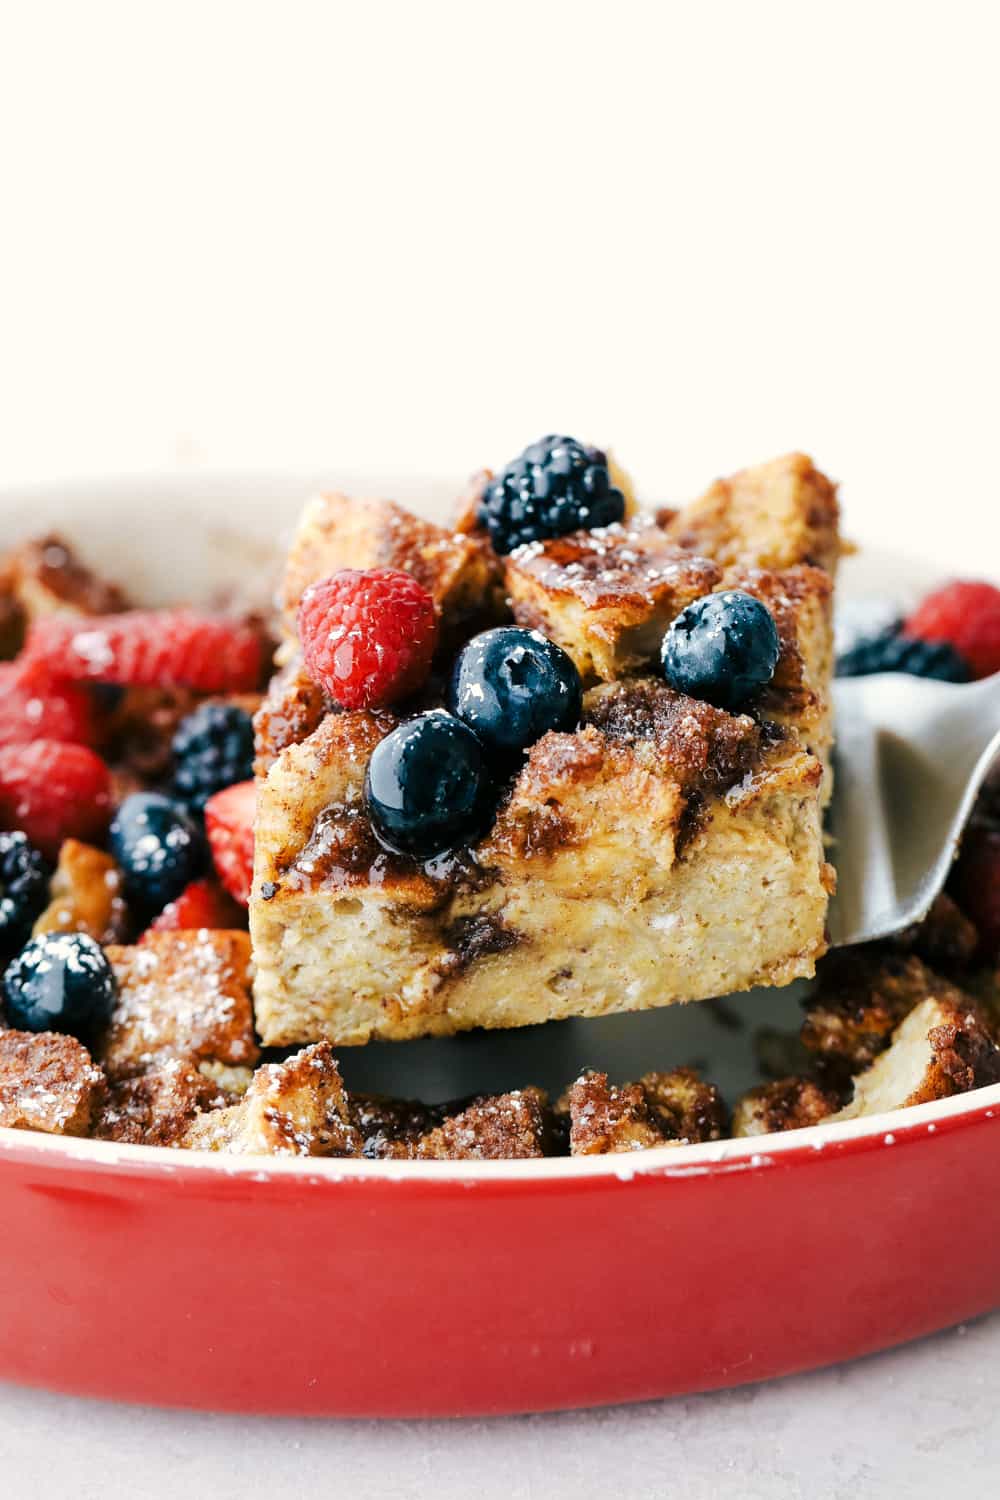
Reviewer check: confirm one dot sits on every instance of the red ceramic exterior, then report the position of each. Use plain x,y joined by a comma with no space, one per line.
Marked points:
156,1277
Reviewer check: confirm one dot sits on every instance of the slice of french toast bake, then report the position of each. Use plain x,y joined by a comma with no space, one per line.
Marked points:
661,844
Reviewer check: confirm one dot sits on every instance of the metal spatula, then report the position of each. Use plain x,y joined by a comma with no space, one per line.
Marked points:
911,757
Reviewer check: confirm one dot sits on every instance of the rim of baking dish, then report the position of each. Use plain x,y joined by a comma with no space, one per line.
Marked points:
894,1128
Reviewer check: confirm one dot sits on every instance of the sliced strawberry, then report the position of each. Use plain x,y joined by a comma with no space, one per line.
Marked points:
201,904
54,792
168,648
229,819
34,705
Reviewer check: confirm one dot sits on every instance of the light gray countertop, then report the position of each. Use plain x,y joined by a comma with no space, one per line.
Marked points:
918,1421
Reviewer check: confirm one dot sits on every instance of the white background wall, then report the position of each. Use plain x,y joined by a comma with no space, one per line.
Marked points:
419,234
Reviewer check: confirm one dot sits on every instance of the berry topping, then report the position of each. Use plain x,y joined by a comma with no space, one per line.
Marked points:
24,888
203,903
891,651
512,686
229,818
60,982
165,648
427,786
35,706
54,792
159,847
723,648
213,749
368,637
976,883
555,486
967,616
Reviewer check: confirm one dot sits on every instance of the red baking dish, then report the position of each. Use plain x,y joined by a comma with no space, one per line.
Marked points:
404,1288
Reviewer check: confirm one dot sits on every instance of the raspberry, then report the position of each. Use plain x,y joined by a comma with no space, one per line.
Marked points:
54,792
966,614
33,706
167,648
976,884
201,904
368,638
229,818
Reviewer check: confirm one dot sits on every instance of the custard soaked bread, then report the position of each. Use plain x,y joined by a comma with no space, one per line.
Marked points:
652,848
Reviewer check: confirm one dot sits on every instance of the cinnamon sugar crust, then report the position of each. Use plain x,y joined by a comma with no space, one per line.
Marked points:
773,515
704,749
85,895
500,1127
183,995
295,1108
48,1082
459,570
862,996
293,707
662,1108
158,1107
785,1104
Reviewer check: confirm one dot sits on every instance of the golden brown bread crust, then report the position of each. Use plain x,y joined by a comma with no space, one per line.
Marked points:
46,576
158,1107
351,941
884,1032
945,1045
607,1118
499,1127
785,1104
85,895
48,1082
607,596
673,820
295,1108
773,515
676,1108
180,995
862,996
460,571
292,709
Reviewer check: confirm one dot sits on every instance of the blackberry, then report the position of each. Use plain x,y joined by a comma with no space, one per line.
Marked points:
213,749
555,486
61,981
24,885
512,686
159,847
723,648
892,651
427,787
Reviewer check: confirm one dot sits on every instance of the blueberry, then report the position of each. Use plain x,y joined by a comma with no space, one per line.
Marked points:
159,847
722,648
213,749
427,787
24,886
61,981
555,486
511,686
